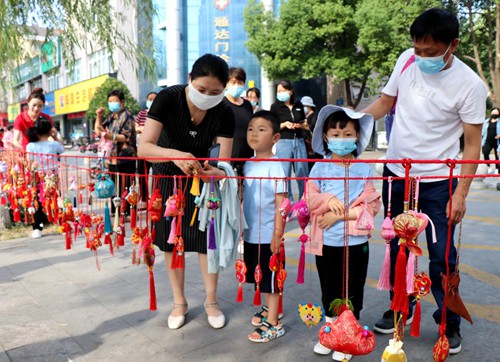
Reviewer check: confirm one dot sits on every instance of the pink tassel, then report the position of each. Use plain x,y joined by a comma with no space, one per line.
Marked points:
384,281
302,264
211,237
173,226
410,273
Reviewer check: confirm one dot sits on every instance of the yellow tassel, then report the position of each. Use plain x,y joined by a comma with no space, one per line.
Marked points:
195,187
194,216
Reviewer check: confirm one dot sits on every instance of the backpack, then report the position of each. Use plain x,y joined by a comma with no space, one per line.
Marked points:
389,117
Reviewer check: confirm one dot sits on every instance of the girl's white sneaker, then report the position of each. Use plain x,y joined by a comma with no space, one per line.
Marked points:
322,350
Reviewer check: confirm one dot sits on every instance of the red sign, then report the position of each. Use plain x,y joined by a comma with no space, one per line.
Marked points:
221,4
76,115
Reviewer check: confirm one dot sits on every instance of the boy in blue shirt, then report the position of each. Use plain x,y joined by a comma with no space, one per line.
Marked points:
264,191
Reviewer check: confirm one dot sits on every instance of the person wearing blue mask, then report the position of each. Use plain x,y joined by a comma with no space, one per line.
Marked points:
253,96
119,128
243,111
341,134
291,144
439,99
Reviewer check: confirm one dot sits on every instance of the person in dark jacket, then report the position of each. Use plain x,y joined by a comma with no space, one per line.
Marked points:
291,144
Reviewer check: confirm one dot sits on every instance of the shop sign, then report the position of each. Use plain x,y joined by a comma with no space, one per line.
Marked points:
28,70
76,98
51,55
50,106
13,110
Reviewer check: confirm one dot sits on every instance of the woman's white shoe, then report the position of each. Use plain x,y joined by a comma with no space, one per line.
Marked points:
217,321
322,350
176,322
339,356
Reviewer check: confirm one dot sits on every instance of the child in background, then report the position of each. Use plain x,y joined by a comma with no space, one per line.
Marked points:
43,154
262,199
340,133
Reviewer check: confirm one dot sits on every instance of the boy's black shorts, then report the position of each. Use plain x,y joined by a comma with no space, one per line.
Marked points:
251,258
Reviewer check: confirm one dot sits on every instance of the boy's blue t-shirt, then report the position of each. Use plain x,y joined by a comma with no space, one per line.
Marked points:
335,235
259,205
45,148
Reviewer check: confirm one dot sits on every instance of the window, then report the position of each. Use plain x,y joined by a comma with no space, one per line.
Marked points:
73,75
99,63
53,82
36,83
20,93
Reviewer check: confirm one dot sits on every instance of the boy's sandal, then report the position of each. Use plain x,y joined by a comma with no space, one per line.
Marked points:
271,333
260,316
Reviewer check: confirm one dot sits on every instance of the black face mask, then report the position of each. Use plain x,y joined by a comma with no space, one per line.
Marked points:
495,116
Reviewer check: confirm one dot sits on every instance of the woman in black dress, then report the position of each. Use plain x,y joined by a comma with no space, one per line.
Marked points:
183,122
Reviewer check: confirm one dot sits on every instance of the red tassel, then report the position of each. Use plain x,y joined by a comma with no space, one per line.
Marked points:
256,298
48,212
112,252
280,304
239,296
80,198
68,240
121,239
26,217
152,291
302,264
177,260
384,281
400,301
415,326
134,256
153,233
17,215
133,218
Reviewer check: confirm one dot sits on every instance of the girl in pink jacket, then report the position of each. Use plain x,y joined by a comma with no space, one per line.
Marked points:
340,133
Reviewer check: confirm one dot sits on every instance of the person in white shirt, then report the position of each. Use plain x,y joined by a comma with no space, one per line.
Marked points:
439,98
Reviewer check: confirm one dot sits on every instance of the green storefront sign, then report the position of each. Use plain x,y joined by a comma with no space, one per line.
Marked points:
28,70
51,55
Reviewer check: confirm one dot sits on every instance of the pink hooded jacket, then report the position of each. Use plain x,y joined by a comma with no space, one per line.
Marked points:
317,203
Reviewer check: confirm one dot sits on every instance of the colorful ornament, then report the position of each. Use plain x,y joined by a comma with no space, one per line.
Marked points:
311,314
422,287
241,277
394,352
213,203
301,210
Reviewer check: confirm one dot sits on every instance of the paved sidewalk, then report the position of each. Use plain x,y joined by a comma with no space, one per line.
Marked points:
56,306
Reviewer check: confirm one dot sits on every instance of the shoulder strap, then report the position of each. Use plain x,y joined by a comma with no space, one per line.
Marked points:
407,64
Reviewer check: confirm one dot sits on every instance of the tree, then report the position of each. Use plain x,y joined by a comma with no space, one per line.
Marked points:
100,98
80,24
354,41
481,41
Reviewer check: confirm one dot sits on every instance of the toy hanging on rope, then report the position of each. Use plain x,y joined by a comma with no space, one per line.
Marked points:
144,251
175,208
301,210
133,198
65,227
311,314
155,208
384,281
213,204
117,230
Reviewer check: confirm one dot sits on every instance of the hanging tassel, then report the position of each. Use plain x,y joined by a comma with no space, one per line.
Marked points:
239,296
68,240
116,222
194,216
388,232
152,291
211,237
195,186
134,256
133,217
90,199
107,239
410,274
384,281
302,264
74,201
400,301
111,250
256,298
108,229
153,232
171,235
417,315
80,198
17,214
121,239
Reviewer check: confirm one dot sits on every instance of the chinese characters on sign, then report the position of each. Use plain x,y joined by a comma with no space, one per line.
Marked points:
222,31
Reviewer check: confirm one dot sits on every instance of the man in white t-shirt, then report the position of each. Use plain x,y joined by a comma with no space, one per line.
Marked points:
439,98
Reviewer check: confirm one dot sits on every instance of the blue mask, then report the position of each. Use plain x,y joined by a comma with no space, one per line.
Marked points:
114,106
283,96
235,91
306,110
431,65
342,146
148,104
254,103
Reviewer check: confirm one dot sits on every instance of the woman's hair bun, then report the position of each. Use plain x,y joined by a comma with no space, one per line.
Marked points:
37,90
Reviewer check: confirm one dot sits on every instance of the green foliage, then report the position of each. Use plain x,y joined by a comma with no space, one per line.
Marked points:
92,24
337,306
100,98
350,40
